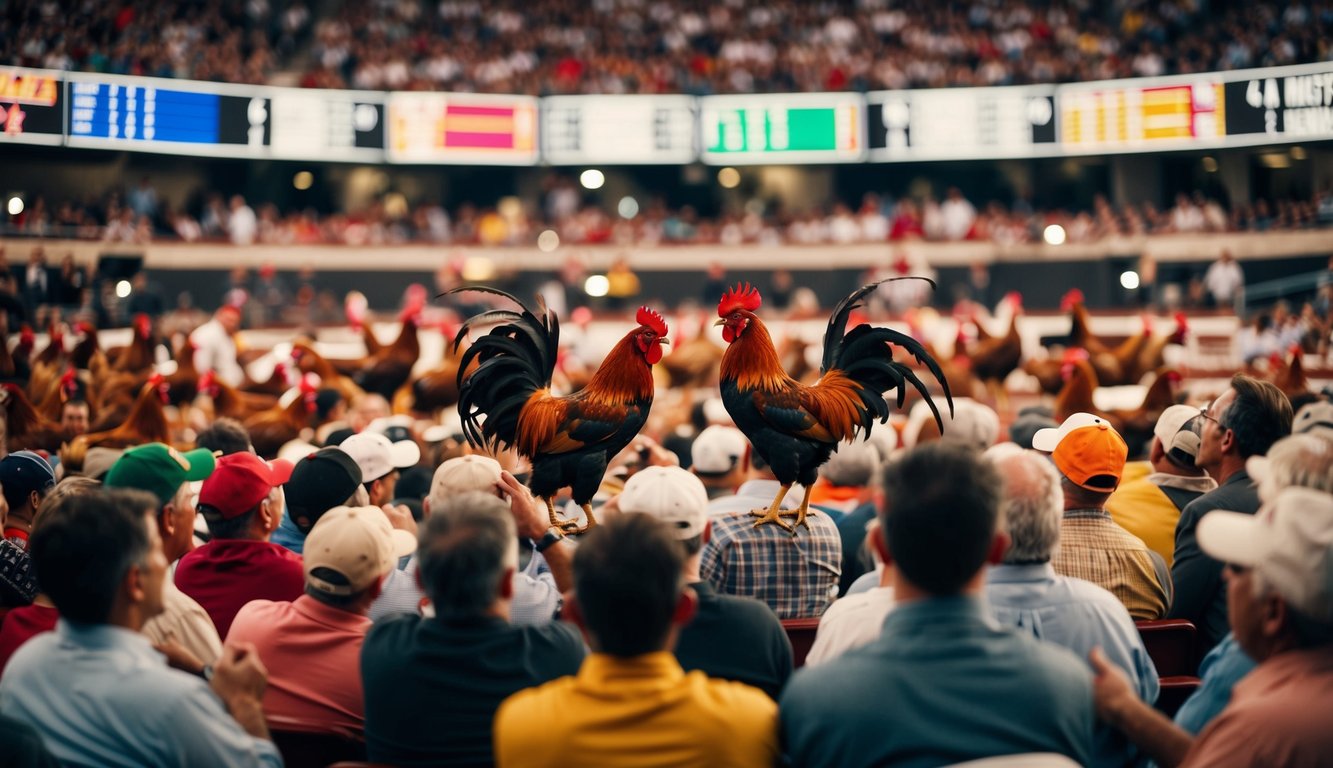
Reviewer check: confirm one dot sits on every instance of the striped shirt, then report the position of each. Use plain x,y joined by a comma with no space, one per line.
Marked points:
796,575
1094,548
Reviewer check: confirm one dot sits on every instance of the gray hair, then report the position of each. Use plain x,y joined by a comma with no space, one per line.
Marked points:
1031,503
468,542
1304,460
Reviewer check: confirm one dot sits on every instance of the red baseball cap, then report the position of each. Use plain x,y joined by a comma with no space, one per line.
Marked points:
241,481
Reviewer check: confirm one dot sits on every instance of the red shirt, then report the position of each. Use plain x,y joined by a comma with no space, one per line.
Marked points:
225,574
21,625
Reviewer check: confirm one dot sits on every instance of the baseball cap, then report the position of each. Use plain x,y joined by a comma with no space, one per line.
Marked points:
1171,430
1289,542
241,481
377,455
320,480
396,428
1086,450
465,474
98,461
159,469
672,495
23,472
1316,415
717,450
357,543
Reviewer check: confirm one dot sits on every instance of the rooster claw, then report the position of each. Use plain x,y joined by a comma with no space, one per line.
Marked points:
771,516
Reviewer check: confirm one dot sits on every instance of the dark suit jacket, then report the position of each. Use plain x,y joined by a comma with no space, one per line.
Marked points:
1200,593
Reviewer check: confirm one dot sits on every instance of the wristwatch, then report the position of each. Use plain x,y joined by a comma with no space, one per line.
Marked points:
548,539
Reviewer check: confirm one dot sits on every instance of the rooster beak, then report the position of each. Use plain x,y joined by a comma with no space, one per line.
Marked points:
723,321
664,340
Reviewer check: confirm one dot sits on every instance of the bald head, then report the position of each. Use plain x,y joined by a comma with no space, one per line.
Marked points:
1031,503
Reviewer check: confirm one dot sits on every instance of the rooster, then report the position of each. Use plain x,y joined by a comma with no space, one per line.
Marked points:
569,440
1289,377
145,423
231,402
141,353
26,428
274,427
993,358
437,388
389,366
795,428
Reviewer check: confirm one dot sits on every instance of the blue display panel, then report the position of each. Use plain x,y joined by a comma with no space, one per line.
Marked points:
111,111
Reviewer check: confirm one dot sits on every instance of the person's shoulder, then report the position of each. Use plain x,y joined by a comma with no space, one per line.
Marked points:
556,635
259,617
1055,664
731,696
747,608
392,630
31,657
534,699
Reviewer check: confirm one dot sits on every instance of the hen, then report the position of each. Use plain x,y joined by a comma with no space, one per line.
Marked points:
995,357
569,440
794,427
272,428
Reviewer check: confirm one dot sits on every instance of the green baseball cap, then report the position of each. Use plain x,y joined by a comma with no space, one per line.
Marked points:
159,469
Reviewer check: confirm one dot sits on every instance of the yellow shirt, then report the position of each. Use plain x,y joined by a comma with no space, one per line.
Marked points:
644,711
1141,508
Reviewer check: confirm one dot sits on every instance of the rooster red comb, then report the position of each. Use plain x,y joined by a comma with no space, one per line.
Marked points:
650,318
741,297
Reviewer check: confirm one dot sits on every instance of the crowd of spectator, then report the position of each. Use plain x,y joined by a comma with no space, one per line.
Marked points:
139,216
664,46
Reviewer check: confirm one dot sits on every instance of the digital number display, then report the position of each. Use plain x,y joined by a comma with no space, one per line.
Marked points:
327,126
790,128
108,114
1138,117
961,123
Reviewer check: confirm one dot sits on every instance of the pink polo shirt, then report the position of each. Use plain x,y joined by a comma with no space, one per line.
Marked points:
313,656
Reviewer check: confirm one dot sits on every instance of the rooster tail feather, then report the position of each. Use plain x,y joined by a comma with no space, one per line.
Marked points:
837,324
865,356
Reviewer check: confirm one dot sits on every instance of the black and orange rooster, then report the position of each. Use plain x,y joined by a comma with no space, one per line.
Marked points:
570,439
795,428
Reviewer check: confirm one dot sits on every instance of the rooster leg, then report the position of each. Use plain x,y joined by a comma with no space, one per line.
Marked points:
772,516
800,513
568,526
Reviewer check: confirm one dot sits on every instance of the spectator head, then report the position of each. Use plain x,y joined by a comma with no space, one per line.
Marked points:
98,461
320,481
380,460
1304,460
717,454
673,496
853,465
467,556
348,553
1090,456
1024,427
226,436
629,591
229,317
329,405
939,518
1313,417
1175,443
1243,421
463,474
972,424
168,476
98,558
1279,594
243,497
1031,504
26,479
74,417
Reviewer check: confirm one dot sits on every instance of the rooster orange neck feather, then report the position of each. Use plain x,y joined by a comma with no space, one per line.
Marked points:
623,376
751,361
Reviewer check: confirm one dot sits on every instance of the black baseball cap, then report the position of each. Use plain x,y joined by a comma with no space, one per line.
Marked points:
319,482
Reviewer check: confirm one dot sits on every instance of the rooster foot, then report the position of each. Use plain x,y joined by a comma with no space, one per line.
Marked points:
570,526
800,515
772,516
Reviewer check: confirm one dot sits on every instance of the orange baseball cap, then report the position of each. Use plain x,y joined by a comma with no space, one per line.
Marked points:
1086,450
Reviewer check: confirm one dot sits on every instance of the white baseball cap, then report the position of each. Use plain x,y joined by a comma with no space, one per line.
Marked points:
358,543
1289,542
670,494
378,456
717,450
465,474
1170,429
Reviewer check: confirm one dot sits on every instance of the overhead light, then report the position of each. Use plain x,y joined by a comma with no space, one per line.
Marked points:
548,240
729,178
478,269
1298,153
123,288
1054,234
1275,160
628,207
15,206
1210,164
1129,280
303,180
596,286
592,179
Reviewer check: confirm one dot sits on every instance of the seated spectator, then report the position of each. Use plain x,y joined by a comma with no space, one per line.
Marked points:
1281,602
855,619
380,460
225,436
537,591
309,644
25,479
1149,507
242,503
101,564
168,475
1243,421
797,576
939,649
718,458
74,418
631,603
320,481
729,638
845,479
1026,594
432,685
1090,456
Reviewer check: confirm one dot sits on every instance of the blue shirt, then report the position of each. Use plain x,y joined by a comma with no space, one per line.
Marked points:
1222,668
287,535
100,695
942,684
1077,615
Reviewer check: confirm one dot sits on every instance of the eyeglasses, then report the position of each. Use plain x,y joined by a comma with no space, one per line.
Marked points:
1205,413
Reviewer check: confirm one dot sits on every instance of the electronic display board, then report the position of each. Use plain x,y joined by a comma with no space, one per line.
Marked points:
619,129
450,128
1291,104
326,125
182,117
31,106
783,128
1126,115
961,123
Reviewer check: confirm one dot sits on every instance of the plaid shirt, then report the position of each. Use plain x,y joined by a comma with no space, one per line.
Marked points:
796,575
1094,548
